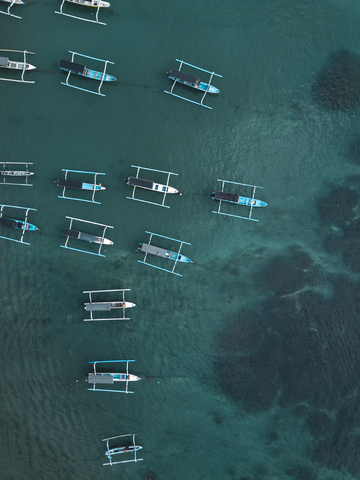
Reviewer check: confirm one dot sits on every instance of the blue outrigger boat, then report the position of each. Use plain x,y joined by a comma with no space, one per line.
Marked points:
233,198
82,71
251,202
22,225
149,248
178,76
162,252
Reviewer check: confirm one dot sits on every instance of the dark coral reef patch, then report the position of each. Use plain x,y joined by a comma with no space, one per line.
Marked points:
337,207
338,85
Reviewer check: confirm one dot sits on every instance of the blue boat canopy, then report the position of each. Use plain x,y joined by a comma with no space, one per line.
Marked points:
185,77
74,67
227,197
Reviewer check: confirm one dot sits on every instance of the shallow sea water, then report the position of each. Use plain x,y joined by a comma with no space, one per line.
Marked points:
220,397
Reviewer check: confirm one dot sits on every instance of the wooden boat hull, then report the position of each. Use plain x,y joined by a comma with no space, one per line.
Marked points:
89,3
15,173
202,86
161,252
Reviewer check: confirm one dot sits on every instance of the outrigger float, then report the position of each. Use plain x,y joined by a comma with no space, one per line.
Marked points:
18,174
148,248
95,377
107,306
22,225
93,187
16,65
12,2
87,237
191,81
86,3
237,199
128,449
80,69
150,185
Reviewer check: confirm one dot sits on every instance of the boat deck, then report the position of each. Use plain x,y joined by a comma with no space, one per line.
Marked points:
153,250
185,77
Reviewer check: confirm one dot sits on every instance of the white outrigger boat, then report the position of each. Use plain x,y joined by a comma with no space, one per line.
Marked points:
91,3
129,449
19,174
85,3
12,2
109,378
150,185
107,306
87,237
8,64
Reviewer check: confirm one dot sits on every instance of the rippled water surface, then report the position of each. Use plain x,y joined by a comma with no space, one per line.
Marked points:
250,360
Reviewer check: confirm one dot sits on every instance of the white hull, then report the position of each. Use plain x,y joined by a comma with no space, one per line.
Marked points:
17,2
89,3
159,187
11,65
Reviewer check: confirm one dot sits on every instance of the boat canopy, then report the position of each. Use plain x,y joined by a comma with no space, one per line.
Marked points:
8,222
227,197
69,183
139,182
185,77
74,67
97,307
3,61
153,250
102,378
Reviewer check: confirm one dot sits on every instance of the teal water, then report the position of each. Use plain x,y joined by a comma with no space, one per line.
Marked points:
249,360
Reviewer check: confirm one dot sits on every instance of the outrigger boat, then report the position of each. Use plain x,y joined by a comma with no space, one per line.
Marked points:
148,248
22,225
109,378
12,2
81,70
87,237
251,202
130,449
16,65
19,174
66,183
150,185
107,306
86,3
192,81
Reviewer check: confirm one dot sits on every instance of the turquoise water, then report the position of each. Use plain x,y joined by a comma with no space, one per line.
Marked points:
249,360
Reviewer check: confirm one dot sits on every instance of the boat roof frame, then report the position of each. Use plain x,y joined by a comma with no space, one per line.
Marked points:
8,11
27,210
26,184
81,199
81,18
126,391
252,197
86,251
133,435
212,74
178,253
92,319
106,62
162,204
23,70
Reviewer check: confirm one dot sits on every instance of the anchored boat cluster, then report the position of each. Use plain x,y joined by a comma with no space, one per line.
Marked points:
17,173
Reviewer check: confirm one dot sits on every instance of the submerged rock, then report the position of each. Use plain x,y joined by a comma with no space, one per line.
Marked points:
338,85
